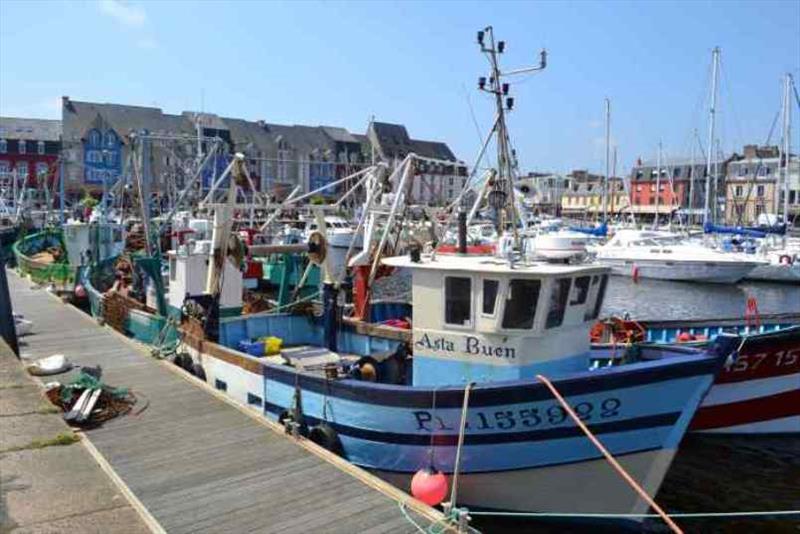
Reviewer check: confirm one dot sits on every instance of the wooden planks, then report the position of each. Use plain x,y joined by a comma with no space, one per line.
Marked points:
197,463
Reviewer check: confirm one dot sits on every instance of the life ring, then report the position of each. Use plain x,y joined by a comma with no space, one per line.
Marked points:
325,436
785,259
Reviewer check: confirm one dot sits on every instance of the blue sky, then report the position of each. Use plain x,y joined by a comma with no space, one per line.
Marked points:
417,63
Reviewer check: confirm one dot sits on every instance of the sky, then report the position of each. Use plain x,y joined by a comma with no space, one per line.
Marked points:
417,63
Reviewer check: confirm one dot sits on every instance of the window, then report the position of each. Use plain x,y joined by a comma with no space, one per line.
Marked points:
254,400
41,169
676,173
109,157
111,138
760,191
4,167
94,138
22,169
21,147
581,290
3,146
737,191
450,181
458,300
489,296
792,193
523,296
220,385
40,148
601,293
558,302
743,170
689,172
652,188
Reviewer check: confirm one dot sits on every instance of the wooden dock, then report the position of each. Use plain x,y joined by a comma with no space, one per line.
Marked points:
196,462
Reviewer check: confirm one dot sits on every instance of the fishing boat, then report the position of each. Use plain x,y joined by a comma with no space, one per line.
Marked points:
467,389
759,393
666,256
56,256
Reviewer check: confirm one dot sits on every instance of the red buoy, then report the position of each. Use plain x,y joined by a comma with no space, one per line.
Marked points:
429,486
683,337
635,274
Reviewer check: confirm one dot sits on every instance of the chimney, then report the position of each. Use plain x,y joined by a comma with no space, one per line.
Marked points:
66,104
261,123
750,151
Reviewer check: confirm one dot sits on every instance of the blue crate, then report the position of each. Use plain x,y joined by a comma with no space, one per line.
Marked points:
254,348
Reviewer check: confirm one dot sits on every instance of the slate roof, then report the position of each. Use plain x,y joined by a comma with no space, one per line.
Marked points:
340,135
245,133
30,129
392,140
78,117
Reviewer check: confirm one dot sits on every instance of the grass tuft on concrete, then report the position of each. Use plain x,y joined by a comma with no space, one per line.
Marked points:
64,438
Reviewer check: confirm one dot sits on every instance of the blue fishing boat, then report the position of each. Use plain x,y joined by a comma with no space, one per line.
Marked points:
483,332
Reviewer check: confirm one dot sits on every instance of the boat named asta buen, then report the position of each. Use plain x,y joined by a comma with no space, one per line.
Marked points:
470,394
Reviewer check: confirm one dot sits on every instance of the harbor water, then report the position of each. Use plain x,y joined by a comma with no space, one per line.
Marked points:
710,473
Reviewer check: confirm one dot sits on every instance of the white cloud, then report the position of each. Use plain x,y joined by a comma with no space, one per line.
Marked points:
147,43
123,12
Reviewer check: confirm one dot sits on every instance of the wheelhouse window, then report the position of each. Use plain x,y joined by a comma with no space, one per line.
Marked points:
599,281
489,296
558,302
458,300
523,296
581,290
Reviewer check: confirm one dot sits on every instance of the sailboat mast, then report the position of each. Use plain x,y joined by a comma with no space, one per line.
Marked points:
608,159
691,181
658,187
787,144
711,124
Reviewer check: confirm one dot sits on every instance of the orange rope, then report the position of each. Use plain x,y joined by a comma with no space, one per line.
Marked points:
621,470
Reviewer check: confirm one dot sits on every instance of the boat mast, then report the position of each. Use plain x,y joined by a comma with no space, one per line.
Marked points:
608,159
787,144
691,180
658,187
711,123
501,195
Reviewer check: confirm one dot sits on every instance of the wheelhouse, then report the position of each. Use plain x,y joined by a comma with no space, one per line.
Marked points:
476,318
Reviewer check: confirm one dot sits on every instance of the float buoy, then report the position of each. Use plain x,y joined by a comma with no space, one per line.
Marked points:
429,486
80,291
198,371
325,436
684,337
785,259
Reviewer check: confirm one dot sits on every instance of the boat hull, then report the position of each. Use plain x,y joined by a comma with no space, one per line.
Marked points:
516,432
757,394
681,271
776,273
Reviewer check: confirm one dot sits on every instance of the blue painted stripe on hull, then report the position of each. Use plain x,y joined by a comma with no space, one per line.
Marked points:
502,393
648,422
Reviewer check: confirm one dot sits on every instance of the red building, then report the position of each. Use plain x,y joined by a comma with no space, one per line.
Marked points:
29,150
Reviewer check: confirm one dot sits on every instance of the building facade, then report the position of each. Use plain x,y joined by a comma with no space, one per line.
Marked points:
585,195
754,186
29,151
543,191
436,182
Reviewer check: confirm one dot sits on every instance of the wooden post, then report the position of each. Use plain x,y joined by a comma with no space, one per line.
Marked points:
7,329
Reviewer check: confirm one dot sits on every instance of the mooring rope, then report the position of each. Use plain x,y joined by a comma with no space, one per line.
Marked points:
461,431
616,465
682,515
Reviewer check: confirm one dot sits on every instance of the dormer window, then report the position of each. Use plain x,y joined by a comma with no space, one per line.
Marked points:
458,301
558,302
22,147
40,148
521,301
94,138
3,146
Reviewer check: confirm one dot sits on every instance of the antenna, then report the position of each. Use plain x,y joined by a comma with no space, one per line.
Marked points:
501,193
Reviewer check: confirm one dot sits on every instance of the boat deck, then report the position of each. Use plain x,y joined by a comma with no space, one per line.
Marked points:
195,461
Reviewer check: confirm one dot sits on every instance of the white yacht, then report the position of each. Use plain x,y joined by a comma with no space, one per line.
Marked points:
665,256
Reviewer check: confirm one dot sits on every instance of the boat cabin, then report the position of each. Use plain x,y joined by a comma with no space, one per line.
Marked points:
188,272
478,319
